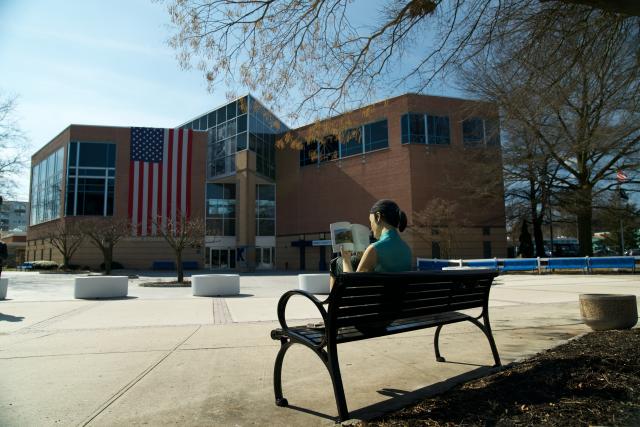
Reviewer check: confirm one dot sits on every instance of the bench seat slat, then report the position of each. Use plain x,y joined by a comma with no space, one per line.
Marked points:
352,333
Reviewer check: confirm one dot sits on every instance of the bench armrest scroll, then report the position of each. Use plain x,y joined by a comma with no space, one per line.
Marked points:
282,305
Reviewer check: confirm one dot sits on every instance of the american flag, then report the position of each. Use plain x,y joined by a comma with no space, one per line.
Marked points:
621,176
159,178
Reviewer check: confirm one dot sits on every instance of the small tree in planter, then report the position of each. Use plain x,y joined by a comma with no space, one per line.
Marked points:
104,234
181,233
66,237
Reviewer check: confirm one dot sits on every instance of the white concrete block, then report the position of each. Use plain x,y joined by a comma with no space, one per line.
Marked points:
208,285
101,287
4,284
314,283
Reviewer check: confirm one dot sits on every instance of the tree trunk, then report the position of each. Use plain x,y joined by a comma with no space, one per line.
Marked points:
537,236
108,256
585,214
179,266
65,261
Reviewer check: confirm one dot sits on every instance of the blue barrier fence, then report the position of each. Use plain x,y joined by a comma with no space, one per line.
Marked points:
586,264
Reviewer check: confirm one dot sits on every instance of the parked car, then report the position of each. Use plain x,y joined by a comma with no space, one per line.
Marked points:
633,252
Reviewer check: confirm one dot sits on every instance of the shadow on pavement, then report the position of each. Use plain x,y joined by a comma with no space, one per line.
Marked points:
401,398
10,318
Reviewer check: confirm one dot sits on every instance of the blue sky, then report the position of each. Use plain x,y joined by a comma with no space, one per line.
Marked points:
94,62
101,63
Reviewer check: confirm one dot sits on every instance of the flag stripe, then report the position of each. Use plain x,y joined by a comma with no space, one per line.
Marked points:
134,217
183,174
174,174
130,189
189,151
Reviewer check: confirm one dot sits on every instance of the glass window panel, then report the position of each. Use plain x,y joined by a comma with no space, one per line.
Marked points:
230,191
472,131
231,110
93,154
242,123
241,141
416,129
220,170
352,142
376,135
72,153
214,227
231,127
329,150
438,128
252,141
258,255
267,192
266,227
211,119
229,227
222,132
221,115
404,123
203,123
232,258
243,106
266,252
111,155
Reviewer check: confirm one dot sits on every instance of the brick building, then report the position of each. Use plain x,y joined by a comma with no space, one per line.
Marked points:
270,208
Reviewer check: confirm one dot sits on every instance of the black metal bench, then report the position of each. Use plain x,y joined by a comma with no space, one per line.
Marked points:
369,305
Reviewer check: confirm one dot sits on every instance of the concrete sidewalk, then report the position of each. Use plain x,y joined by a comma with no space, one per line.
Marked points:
165,357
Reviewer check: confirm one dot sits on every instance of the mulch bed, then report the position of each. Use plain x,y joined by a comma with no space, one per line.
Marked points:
592,380
173,284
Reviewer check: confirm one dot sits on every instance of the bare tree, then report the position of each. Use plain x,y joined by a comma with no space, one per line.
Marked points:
529,176
579,100
105,234
318,57
66,237
181,233
441,221
13,146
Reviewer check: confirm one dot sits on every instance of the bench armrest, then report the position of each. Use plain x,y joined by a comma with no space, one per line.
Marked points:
284,299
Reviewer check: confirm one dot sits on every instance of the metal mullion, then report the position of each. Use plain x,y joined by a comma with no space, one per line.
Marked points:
484,132
75,192
425,117
106,187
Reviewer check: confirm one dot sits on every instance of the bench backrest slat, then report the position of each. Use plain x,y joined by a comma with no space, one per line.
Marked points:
361,299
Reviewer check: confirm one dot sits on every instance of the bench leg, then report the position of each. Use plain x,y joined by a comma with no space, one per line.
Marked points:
486,328
336,380
277,372
436,346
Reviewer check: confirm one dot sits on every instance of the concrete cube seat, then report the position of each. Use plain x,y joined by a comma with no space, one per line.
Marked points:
101,287
4,284
314,283
208,285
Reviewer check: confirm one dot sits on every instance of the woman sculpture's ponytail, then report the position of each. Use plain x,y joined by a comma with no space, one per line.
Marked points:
403,221
390,213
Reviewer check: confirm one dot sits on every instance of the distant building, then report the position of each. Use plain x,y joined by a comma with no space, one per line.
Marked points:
16,245
267,208
13,216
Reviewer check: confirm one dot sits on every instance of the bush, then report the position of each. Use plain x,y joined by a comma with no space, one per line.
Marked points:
115,265
72,267
44,265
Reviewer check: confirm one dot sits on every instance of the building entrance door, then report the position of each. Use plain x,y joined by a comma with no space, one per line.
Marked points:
222,259
265,257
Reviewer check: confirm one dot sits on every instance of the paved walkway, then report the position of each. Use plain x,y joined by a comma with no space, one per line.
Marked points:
163,356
